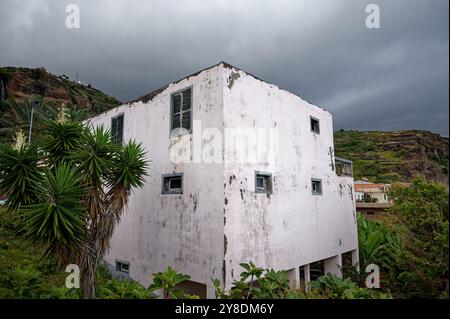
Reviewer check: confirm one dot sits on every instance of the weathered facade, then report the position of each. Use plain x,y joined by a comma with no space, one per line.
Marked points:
203,217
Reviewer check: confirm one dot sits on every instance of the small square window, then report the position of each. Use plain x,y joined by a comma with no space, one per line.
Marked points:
315,125
263,183
316,185
172,184
123,266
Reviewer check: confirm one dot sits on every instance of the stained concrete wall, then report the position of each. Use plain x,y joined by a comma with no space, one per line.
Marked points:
290,227
219,221
182,231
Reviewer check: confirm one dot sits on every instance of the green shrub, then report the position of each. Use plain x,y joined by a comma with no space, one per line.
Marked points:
334,287
123,289
62,293
10,221
168,281
22,282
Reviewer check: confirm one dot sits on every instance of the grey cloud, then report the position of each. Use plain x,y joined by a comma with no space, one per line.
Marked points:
395,77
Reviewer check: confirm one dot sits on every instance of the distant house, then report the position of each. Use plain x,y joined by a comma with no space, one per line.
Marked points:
371,198
371,192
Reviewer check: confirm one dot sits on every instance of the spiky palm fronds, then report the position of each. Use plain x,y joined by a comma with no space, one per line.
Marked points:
60,139
79,200
20,174
57,220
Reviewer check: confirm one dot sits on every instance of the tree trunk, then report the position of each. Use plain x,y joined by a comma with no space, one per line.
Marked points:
89,275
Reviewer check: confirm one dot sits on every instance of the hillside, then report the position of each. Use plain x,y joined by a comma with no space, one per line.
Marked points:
16,83
394,156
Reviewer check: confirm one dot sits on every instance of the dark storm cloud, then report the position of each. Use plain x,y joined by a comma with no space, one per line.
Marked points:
391,78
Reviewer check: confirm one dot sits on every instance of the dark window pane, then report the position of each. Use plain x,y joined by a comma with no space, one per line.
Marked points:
259,182
176,121
117,129
315,125
186,120
175,183
186,99
114,128
176,100
316,187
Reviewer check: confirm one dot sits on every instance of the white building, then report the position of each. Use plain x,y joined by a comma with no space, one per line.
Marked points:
205,215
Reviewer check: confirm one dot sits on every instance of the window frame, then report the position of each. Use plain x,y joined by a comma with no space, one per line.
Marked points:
316,180
269,187
169,191
177,129
120,263
311,119
123,126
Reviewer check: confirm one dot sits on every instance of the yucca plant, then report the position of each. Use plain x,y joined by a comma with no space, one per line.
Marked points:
20,172
73,184
57,220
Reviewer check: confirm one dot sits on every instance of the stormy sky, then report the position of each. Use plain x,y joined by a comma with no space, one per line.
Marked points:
394,77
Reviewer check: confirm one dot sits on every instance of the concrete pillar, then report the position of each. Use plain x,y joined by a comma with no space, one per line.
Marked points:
210,291
333,265
355,259
294,277
307,277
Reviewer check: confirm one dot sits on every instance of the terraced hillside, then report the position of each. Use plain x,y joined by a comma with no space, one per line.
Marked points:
395,156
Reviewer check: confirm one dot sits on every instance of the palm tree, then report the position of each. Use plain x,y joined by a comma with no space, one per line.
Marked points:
80,183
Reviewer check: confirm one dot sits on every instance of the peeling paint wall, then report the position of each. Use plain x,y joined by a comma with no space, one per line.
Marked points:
219,221
182,231
291,227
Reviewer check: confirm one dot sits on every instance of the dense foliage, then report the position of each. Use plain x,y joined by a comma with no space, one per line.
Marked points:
69,187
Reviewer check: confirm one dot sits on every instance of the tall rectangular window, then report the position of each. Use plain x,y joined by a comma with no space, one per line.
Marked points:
316,185
181,105
315,125
117,129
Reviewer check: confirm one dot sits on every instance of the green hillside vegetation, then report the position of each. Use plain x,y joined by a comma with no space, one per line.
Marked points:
397,156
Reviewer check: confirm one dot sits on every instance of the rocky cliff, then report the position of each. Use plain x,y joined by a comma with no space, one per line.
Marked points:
395,156
16,83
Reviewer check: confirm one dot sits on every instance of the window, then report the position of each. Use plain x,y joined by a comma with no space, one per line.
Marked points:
263,183
123,266
343,167
316,185
181,103
117,129
172,184
315,125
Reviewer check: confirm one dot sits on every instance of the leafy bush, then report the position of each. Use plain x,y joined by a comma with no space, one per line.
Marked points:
334,287
22,282
420,217
62,293
168,281
263,284
10,221
124,289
